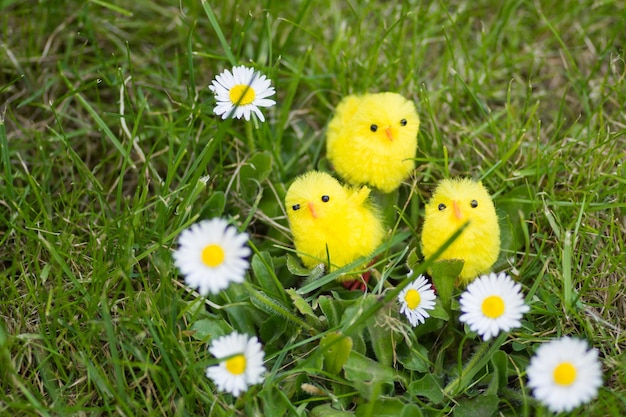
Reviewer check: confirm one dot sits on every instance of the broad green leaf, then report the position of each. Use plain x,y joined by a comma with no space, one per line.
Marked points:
336,349
257,168
275,403
444,274
482,405
411,410
382,341
326,410
438,318
428,386
332,310
380,407
268,333
416,359
500,363
263,268
367,375
439,312
206,329
295,267
413,259
242,319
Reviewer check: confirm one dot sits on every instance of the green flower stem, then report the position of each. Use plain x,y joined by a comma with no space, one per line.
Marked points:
476,363
250,134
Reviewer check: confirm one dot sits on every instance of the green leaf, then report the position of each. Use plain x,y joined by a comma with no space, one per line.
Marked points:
416,359
268,332
332,310
444,274
367,375
500,363
411,410
431,325
242,319
381,408
295,267
326,410
263,268
413,259
428,386
336,349
257,168
206,329
382,341
304,307
482,405
275,403
439,312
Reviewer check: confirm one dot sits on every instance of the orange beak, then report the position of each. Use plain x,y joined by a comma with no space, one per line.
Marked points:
312,209
457,211
389,135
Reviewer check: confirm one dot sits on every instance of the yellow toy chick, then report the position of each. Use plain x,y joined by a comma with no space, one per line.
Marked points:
329,220
454,202
372,139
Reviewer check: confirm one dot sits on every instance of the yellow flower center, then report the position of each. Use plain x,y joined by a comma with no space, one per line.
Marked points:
242,94
412,298
236,365
212,255
493,306
565,373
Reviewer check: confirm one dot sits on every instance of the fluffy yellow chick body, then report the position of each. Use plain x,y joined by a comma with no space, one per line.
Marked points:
454,202
326,216
372,139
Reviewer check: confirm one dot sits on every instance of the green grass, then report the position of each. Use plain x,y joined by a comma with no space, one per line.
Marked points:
95,319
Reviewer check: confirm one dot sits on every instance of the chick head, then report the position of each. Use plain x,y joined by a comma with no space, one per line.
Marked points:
388,119
455,202
372,139
314,199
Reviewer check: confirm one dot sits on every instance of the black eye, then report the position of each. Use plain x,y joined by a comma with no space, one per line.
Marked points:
325,198
373,128
474,203
295,207
403,122
441,207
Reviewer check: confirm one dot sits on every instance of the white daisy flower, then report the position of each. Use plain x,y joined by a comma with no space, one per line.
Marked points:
243,364
564,374
415,299
211,255
491,304
244,90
